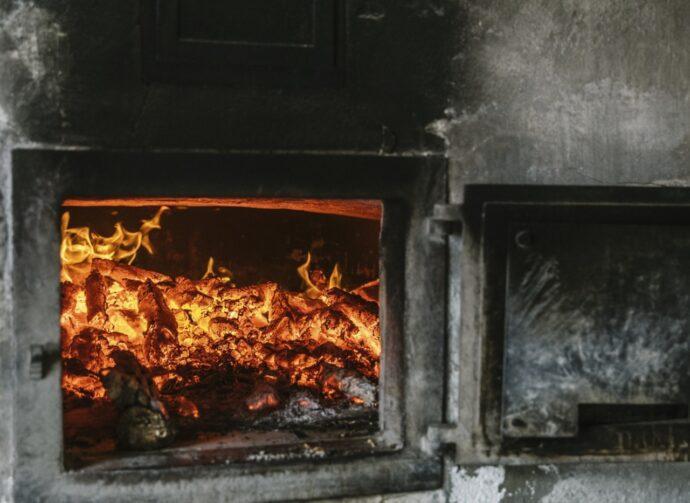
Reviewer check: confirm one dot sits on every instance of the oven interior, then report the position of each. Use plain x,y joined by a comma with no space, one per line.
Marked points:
189,322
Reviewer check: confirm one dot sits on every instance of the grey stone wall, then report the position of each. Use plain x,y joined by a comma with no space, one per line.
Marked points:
568,92
571,92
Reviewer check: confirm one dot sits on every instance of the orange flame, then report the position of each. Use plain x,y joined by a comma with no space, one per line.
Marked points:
80,245
313,291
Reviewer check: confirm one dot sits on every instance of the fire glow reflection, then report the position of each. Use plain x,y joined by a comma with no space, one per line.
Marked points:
150,358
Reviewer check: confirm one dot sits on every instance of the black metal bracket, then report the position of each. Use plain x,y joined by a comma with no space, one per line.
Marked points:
447,219
42,357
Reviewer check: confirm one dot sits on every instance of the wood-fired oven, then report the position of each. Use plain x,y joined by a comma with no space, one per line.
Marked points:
276,327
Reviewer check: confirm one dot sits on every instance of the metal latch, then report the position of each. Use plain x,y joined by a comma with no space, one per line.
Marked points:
446,220
42,357
441,436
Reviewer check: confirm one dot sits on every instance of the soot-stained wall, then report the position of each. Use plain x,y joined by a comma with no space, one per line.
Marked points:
581,92
72,74
572,92
568,92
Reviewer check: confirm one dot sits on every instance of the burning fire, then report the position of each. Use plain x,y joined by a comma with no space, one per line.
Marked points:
314,291
80,245
177,332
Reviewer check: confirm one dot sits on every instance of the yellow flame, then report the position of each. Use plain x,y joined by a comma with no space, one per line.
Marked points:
312,291
335,278
223,272
303,271
209,269
80,245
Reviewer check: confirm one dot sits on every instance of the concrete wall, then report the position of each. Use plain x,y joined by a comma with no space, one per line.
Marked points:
570,92
580,92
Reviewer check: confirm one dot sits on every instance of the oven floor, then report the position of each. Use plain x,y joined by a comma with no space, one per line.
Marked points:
90,427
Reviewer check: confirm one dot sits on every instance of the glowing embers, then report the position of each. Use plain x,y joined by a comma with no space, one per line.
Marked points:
279,330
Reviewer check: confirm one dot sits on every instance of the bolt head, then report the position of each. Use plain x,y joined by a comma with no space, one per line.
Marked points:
524,239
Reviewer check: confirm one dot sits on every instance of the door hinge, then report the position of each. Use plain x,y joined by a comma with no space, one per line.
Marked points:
440,435
446,220
41,359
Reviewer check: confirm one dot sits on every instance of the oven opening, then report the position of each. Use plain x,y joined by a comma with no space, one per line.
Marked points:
188,322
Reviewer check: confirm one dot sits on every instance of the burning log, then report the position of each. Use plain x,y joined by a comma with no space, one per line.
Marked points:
183,406
123,273
96,288
144,422
160,341
340,382
183,332
140,428
368,291
263,397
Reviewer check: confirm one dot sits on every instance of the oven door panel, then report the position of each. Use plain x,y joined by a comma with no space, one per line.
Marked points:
596,314
576,324
393,460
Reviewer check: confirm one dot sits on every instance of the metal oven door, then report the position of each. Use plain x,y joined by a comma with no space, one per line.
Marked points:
573,342
412,300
